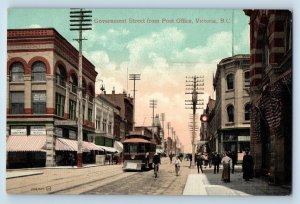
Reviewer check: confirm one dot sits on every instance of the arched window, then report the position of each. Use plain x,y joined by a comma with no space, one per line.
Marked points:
83,88
73,83
230,113
61,76
38,71
230,81
17,72
247,111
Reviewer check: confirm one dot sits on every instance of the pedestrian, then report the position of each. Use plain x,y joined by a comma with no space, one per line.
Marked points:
171,157
205,157
210,159
199,163
247,166
156,162
216,162
147,159
72,160
177,165
190,158
234,160
227,163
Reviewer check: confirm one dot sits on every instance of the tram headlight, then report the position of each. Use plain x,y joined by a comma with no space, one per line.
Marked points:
132,156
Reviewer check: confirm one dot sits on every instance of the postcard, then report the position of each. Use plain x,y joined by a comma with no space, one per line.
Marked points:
149,101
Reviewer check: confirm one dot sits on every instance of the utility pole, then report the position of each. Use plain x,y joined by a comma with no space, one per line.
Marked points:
174,133
134,77
194,84
169,145
163,130
153,104
80,21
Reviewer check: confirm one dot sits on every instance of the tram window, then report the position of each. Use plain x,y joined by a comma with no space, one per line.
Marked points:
141,147
126,148
133,148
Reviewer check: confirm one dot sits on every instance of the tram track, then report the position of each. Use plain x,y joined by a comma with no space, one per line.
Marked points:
60,176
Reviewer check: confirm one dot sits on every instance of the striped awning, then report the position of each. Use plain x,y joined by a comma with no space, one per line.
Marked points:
26,143
109,149
118,146
63,144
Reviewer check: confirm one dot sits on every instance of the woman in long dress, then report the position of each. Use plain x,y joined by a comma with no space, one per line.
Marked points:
247,166
227,163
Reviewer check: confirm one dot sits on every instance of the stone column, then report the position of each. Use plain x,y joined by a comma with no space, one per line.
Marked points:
50,145
66,111
50,94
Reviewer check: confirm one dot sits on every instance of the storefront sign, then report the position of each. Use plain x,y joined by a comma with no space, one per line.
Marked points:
72,134
58,131
37,130
18,130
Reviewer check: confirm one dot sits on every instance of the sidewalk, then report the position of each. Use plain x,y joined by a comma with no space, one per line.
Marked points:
15,173
209,183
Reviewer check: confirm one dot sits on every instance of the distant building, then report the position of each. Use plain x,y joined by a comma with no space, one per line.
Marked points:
126,110
104,122
42,110
232,105
271,93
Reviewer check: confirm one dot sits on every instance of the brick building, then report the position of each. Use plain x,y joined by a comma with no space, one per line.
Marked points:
42,111
271,93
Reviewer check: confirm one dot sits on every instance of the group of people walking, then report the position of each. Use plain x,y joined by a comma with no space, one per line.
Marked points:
228,161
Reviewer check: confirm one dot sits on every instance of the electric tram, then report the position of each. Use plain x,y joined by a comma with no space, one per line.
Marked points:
138,151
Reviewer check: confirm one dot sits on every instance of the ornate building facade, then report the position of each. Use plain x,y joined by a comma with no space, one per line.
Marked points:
42,81
232,105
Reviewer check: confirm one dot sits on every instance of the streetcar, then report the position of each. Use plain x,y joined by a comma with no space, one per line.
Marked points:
138,151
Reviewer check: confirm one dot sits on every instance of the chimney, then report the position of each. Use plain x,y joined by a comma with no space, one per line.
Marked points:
113,91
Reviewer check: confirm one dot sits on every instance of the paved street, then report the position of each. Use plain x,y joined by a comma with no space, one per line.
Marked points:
111,180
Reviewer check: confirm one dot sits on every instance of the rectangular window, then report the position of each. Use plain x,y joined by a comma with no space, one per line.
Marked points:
98,123
109,127
17,102
247,79
39,102
60,105
83,111
104,125
72,110
90,114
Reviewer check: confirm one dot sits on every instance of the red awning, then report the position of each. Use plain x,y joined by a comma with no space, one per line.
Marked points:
26,143
136,140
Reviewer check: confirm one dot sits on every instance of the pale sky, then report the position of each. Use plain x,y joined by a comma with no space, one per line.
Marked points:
163,53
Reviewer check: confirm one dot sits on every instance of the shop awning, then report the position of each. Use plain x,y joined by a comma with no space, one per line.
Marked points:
26,143
92,146
63,144
118,146
109,149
